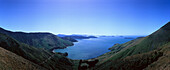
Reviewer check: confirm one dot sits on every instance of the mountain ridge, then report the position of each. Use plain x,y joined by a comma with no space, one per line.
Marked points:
35,55
47,41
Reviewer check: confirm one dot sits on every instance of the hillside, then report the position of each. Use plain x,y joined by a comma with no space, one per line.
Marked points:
11,61
47,41
117,48
144,52
39,56
154,60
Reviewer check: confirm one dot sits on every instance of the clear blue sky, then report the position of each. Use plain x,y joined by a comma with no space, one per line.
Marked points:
96,17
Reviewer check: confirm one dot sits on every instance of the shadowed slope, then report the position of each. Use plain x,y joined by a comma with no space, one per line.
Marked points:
39,40
34,54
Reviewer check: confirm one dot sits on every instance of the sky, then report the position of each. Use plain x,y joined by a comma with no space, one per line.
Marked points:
93,17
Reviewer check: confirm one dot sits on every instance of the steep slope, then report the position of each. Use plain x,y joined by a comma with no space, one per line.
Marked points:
37,55
11,61
149,43
154,60
163,63
154,41
39,40
139,54
117,48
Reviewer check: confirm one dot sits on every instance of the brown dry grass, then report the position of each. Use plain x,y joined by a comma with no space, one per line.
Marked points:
163,63
11,61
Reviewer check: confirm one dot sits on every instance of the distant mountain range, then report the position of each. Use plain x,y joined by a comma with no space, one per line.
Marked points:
73,37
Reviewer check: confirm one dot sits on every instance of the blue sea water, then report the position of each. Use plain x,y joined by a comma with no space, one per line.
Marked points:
93,47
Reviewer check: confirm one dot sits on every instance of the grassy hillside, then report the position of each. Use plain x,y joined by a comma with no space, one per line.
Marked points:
163,63
39,56
154,60
116,49
154,41
11,61
149,43
39,40
139,54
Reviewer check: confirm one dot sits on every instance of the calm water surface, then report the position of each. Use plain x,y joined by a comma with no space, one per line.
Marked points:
91,48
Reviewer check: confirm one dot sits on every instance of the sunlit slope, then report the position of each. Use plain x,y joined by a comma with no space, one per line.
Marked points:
149,43
154,60
39,40
39,56
116,50
142,53
154,41
11,61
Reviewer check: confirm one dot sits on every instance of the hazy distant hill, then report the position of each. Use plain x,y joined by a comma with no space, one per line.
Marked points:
74,36
151,52
69,39
39,56
38,40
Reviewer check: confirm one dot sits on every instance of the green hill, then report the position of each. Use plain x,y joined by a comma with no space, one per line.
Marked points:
158,59
39,40
39,56
140,53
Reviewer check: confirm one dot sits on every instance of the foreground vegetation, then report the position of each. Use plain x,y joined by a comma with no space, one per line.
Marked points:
11,61
36,55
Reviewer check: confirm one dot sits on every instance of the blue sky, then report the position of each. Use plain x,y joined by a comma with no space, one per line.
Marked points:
94,17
